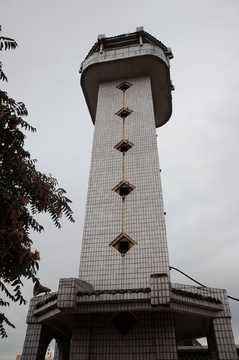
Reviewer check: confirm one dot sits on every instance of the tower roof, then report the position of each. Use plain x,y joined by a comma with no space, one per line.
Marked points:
128,39
127,56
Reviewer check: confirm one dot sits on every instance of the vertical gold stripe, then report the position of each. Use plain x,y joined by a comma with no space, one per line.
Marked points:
123,166
123,128
123,217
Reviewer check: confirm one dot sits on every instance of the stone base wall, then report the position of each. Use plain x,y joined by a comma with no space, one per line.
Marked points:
151,338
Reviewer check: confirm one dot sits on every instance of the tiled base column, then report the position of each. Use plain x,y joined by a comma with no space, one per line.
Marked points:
159,289
221,342
165,336
37,339
81,338
32,341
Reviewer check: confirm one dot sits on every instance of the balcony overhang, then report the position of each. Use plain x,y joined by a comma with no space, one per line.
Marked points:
97,68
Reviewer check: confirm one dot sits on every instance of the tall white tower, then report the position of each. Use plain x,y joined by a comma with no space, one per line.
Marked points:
127,87
123,306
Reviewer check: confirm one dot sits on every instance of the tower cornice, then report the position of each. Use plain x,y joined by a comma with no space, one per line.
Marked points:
129,55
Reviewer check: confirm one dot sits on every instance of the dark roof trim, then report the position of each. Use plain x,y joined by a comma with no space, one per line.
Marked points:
196,296
113,292
46,301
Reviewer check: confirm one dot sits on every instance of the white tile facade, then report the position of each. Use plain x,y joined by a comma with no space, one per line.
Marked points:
144,215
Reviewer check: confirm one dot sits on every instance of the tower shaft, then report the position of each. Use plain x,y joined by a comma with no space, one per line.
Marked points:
140,215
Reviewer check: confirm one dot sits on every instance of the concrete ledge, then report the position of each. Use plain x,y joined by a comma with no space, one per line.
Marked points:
120,64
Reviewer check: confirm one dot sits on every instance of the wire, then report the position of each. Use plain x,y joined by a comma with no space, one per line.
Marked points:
171,267
230,297
47,64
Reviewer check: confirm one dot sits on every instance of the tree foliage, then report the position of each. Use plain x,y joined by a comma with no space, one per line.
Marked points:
24,192
5,44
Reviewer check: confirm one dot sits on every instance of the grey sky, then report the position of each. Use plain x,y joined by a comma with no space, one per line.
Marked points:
198,147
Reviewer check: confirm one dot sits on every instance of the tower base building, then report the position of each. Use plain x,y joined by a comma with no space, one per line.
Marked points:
123,306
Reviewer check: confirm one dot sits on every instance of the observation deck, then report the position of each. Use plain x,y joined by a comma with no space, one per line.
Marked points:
129,55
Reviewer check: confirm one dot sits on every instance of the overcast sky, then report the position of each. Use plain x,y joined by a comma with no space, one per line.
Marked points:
198,147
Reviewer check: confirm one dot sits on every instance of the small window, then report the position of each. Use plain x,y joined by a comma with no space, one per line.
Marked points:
123,322
124,86
124,112
123,189
124,146
122,244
